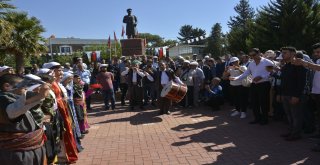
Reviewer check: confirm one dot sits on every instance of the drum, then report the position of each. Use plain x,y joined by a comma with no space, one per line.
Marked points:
174,91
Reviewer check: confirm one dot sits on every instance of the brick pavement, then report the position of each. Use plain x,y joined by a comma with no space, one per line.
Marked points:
188,136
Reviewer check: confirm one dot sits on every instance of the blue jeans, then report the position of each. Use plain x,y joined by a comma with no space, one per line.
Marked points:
109,95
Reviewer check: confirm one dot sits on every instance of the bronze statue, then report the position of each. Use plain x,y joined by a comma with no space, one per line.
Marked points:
131,21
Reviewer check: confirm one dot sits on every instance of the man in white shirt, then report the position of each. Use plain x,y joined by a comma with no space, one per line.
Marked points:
260,87
134,78
198,82
164,76
316,87
85,76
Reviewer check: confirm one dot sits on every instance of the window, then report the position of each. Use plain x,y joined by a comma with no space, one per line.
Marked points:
65,49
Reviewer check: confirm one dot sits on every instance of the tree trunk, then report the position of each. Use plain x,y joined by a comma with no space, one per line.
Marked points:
19,64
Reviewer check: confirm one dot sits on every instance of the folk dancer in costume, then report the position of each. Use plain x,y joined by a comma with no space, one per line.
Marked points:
79,103
164,76
134,77
21,138
68,152
66,86
52,120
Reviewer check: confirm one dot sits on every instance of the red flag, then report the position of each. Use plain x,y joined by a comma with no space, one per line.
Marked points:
123,32
115,37
160,53
109,42
145,42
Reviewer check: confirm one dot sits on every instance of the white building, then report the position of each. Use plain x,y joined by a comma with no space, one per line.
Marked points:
187,50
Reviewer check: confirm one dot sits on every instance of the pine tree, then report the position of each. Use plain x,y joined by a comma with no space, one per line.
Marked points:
240,27
288,22
215,41
187,32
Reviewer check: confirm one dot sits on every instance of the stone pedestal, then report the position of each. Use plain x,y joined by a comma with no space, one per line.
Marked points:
134,46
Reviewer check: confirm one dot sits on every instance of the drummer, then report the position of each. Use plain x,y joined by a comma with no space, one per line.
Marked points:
164,76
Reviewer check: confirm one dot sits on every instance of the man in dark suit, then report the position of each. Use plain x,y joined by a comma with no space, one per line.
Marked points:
134,79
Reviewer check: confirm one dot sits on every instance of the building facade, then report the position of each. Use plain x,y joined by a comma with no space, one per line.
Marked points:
65,46
187,50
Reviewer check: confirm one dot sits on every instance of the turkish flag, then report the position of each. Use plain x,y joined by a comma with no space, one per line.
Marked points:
115,37
94,56
109,42
123,32
160,53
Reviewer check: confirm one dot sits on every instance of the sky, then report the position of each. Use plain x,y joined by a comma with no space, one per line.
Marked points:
97,19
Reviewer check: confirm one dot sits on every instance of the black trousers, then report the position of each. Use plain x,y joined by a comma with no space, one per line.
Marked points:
124,89
239,97
215,102
188,98
88,99
136,95
260,97
316,98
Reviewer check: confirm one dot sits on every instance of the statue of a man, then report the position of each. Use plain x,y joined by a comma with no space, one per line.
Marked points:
131,22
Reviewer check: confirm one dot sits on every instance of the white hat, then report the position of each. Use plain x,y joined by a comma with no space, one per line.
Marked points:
270,54
279,57
31,88
233,59
45,65
307,58
43,71
50,65
155,56
4,68
103,65
66,75
33,77
194,63
206,57
186,61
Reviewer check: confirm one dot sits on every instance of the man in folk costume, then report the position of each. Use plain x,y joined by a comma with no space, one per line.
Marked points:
21,138
69,152
163,77
134,77
52,120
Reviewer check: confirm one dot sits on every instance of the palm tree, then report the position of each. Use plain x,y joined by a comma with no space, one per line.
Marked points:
5,27
25,39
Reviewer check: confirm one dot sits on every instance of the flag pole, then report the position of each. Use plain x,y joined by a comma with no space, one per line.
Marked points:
110,54
115,48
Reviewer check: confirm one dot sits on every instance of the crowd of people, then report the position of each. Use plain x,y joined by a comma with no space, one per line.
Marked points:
43,113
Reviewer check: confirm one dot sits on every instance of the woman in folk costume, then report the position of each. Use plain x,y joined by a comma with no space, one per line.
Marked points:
21,138
52,121
67,89
68,152
79,104
134,77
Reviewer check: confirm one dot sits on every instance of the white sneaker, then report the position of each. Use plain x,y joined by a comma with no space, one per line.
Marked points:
235,113
243,115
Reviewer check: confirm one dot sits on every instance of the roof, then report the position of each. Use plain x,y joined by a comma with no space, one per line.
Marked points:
77,41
